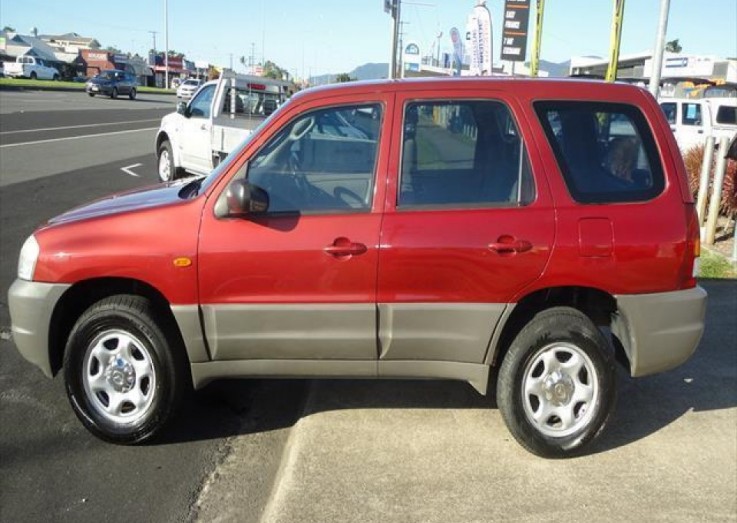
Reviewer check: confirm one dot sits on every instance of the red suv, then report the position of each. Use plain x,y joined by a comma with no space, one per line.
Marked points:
412,229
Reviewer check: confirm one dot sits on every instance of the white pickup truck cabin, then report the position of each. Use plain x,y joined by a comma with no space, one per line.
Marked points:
693,119
220,115
30,67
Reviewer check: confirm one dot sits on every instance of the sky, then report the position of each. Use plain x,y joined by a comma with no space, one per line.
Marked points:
335,36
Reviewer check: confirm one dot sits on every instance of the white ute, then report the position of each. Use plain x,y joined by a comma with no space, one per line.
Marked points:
693,119
201,133
30,67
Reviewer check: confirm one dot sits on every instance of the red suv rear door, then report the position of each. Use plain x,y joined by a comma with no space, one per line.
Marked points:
469,222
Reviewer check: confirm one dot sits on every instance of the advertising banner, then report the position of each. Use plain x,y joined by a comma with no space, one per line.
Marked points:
514,30
455,38
479,35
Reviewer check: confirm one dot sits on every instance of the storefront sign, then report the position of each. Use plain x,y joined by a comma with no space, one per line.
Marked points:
97,57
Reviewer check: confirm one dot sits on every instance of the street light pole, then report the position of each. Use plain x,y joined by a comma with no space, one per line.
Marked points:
166,55
659,48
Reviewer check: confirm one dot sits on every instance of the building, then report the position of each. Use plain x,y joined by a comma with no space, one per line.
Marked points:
675,66
91,62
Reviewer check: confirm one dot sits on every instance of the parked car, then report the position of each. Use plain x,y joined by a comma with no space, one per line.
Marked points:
692,120
414,229
112,82
188,87
30,67
201,133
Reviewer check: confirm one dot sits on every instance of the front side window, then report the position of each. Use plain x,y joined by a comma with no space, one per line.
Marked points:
462,153
323,161
670,110
200,106
605,151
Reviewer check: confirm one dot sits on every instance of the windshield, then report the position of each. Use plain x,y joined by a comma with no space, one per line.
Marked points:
107,75
191,82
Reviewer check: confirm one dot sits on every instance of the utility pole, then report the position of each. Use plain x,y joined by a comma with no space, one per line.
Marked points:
657,59
154,33
535,61
616,38
166,38
393,8
400,58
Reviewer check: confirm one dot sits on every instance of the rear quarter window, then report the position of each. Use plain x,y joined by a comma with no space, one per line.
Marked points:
727,115
605,151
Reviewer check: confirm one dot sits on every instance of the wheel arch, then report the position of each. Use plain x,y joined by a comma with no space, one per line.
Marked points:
598,305
80,296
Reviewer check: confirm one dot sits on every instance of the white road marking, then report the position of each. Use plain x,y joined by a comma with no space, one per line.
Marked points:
78,126
127,170
77,137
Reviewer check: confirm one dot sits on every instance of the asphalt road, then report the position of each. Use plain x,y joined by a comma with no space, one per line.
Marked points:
58,150
324,450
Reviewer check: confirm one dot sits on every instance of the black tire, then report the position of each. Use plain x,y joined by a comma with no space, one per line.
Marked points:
56,78
172,172
572,405
118,353
132,94
91,95
33,75
114,93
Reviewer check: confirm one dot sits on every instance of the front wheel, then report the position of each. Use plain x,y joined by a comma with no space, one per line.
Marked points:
168,171
55,78
124,379
91,95
557,385
114,93
33,75
132,94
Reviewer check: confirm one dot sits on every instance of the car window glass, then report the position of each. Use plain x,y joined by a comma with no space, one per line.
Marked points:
200,105
691,114
727,115
606,152
324,161
669,109
462,153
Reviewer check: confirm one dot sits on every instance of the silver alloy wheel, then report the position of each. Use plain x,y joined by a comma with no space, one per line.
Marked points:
119,377
165,167
560,388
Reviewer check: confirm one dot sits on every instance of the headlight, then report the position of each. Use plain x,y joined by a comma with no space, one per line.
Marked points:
27,259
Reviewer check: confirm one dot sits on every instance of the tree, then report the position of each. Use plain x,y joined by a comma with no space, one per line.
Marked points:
344,77
8,29
673,46
271,70
113,49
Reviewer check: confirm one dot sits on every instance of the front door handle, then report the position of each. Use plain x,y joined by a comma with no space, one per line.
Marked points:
506,245
343,247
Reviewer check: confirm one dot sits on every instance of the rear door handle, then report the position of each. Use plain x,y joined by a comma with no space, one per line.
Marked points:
343,247
508,245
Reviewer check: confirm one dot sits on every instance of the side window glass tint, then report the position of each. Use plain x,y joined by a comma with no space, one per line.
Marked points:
324,161
691,114
462,153
606,152
200,106
670,110
727,115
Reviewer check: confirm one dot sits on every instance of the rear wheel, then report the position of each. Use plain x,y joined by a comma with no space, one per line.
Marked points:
33,75
56,78
132,94
556,386
114,93
123,377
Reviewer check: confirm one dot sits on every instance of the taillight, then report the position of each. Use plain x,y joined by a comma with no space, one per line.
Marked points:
690,267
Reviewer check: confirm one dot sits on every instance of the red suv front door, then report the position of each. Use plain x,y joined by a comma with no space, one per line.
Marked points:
299,282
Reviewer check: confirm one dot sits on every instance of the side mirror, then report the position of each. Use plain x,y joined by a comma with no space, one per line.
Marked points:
243,198
182,108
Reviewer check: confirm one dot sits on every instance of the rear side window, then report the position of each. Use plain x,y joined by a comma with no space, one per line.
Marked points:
462,153
605,151
670,110
691,114
727,115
